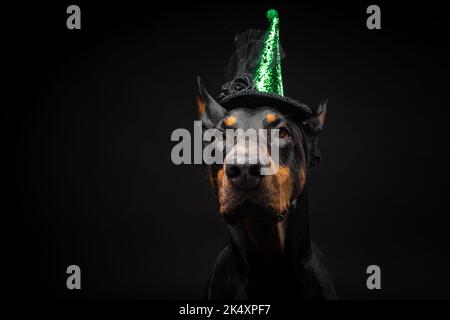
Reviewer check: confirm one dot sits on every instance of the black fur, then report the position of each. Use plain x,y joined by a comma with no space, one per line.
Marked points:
299,272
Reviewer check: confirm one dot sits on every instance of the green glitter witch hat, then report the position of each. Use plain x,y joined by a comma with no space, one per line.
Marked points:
254,76
267,76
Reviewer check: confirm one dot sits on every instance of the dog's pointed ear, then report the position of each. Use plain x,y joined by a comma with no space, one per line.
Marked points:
209,110
313,127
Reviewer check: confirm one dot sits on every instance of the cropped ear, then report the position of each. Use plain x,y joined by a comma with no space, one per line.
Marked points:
315,123
210,112
313,127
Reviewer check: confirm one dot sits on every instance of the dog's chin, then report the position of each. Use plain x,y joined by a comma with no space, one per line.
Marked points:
252,210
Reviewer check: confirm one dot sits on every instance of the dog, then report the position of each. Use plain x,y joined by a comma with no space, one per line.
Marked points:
270,253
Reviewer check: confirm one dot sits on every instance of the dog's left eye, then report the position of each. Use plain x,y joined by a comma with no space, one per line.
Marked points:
283,133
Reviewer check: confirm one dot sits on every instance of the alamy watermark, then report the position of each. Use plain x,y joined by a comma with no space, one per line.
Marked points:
214,146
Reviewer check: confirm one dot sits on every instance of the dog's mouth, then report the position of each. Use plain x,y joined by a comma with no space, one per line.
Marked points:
270,200
249,209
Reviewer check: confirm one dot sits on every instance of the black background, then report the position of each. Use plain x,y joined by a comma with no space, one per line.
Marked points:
86,138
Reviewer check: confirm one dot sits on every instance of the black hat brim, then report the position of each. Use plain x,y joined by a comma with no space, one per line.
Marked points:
255,99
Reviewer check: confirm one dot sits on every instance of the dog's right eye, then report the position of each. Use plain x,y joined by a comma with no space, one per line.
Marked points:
284,133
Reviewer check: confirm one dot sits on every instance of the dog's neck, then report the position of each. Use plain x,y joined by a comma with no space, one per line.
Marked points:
261,243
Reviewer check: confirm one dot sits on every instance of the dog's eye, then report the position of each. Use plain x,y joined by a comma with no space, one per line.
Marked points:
283,133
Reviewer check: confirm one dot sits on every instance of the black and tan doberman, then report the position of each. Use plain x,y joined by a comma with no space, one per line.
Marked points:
270,253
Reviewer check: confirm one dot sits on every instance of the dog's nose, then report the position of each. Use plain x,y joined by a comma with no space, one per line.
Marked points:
244,176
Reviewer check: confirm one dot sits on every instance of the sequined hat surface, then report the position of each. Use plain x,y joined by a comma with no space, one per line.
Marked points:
254,75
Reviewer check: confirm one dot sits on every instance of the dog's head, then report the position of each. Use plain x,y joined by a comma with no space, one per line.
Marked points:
241,185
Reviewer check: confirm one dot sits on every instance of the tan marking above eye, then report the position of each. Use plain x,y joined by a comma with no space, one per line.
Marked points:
229,121
271,117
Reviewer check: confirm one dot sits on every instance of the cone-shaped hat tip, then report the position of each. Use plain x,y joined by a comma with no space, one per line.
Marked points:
267,75
271,14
